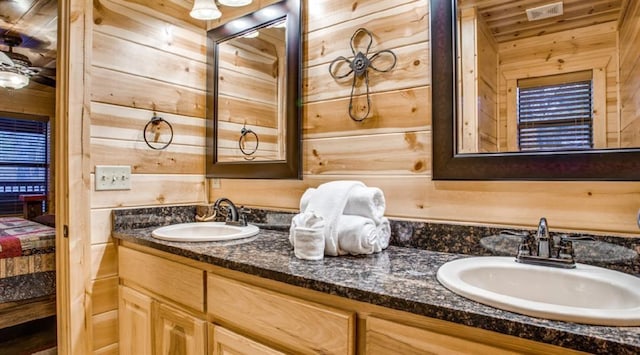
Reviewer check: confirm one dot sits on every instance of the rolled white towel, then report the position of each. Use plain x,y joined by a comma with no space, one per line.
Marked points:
329,201
306,235
306,197
383,232
362,201
356,235
367,202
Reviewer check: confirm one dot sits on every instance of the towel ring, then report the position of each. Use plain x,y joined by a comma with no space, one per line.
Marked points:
154,122
242,140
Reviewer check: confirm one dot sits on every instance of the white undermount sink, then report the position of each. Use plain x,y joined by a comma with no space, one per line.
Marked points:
586,294
204,232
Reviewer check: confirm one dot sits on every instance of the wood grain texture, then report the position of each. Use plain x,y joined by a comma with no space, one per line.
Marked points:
105,329
178,333
178,282
135,322
104,295
148,189
104,261
228,342
300,326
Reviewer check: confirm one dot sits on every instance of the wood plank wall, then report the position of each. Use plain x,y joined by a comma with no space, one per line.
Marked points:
392,148
143,62
629,37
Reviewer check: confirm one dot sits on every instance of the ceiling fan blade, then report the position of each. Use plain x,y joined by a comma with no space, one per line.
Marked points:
44,71
44,80
5,60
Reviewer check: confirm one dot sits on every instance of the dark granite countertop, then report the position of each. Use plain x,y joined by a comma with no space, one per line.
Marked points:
399,277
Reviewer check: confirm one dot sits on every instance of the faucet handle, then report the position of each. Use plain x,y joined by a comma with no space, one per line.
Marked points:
242,217
565,248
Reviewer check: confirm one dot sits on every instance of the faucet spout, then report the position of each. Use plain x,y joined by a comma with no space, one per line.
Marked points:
545,243
233,210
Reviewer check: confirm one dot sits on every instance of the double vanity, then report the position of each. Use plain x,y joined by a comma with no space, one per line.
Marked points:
253,295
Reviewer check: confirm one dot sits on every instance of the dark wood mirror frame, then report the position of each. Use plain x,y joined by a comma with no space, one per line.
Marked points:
603,164
280,169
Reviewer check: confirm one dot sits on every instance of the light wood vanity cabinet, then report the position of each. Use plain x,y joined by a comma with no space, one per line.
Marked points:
181,306
161,306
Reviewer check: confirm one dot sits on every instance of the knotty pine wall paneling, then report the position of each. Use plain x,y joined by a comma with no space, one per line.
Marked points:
629,37
145,60
392,148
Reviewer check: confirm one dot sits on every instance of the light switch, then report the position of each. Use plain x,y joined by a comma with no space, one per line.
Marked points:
113,177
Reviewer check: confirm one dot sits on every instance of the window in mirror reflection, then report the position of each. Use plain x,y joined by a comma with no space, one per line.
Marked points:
251,95
554,112
499,49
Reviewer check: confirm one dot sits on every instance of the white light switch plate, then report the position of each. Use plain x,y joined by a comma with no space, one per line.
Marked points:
113,177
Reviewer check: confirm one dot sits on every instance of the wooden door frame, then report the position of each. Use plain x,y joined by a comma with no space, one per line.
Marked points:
72,178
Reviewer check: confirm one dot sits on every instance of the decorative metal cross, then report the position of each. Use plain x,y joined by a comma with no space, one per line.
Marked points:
359,67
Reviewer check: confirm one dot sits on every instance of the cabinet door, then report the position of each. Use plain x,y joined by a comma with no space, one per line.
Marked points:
226,342
135,322
178,333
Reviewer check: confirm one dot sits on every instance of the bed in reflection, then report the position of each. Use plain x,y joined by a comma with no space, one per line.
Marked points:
27,271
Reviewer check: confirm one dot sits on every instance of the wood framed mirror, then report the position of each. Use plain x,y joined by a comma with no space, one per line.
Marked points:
253,95
452,162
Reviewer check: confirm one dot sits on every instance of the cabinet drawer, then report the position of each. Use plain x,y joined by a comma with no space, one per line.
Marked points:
387,337
178,282
301,326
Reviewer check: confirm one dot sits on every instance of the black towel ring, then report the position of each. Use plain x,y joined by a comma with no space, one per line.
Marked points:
155,121
241,142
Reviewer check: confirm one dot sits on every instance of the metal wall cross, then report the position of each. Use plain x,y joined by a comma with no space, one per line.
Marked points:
359,66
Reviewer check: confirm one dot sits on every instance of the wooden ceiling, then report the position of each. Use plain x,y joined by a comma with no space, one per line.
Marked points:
36,22
508,21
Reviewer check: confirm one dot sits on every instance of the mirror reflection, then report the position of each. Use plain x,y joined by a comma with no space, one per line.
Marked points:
251,95
546,76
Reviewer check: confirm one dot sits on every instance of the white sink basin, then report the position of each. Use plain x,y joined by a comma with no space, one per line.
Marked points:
204,232
586,294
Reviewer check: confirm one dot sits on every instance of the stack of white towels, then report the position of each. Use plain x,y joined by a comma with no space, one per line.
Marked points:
339,218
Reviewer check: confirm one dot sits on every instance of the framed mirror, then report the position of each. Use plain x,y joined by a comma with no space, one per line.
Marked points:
253,95
482,68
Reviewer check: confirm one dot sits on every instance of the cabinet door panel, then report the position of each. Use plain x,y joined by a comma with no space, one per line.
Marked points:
178,333
135,322
226,342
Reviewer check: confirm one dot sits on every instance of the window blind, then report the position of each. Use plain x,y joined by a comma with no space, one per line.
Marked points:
24,161
556,116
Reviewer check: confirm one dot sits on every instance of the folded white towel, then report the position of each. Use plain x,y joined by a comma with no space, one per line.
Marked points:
356,235
362,201
329,201
306,235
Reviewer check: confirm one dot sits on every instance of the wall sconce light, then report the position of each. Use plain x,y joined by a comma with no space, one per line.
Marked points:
234,3
205,10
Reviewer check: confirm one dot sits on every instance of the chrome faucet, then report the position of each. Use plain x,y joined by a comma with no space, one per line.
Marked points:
545,243
234,216
541,249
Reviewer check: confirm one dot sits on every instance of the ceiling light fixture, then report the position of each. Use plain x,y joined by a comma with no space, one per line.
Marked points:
234,3
205,10
13,80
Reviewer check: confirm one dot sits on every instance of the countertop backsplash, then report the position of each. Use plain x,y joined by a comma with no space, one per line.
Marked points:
618,253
